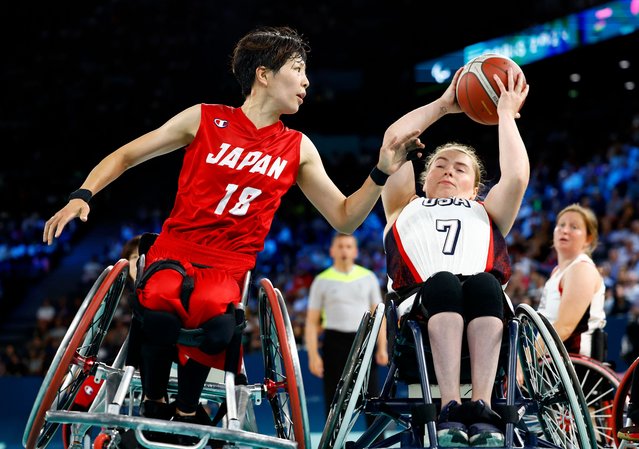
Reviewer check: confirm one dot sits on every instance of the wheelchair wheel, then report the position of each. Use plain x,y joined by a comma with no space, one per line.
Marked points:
551,382
283,376
348,401
599,385
76,357
621,401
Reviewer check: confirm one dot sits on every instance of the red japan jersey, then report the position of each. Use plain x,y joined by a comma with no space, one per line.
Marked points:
232,180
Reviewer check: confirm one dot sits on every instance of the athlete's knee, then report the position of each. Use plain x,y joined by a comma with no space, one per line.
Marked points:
161,328
442,292
218,332
211,337
483,296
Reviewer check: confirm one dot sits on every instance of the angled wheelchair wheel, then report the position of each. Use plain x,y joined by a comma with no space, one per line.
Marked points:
348,401
621,401
599,384
551,383
283,376
77,355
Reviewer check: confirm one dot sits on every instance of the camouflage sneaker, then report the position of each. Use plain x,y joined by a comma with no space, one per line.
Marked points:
485,435
452,434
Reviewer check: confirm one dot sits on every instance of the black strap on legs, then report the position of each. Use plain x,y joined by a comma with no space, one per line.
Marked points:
168,264
232,361
233,350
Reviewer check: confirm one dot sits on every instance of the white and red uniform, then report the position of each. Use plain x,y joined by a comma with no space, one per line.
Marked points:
231,183
580,341
443,234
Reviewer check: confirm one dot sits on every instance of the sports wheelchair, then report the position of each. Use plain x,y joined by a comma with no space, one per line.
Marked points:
548,410
113,416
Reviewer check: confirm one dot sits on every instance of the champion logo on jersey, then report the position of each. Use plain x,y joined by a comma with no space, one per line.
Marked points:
220,123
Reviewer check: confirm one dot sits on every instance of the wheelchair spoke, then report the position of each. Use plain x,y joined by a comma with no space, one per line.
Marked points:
550,381
349,400
599,385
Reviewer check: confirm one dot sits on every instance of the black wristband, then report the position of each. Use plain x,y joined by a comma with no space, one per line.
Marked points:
378,176
83,194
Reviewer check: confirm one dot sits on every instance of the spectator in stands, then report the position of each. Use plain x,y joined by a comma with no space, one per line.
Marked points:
46,312
13,362
91,270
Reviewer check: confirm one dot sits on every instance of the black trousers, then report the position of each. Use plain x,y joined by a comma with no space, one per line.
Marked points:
335,350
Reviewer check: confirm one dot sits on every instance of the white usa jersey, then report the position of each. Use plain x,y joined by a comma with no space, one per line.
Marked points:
444,234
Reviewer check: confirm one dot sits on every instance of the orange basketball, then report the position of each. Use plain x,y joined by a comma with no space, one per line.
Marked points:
476,90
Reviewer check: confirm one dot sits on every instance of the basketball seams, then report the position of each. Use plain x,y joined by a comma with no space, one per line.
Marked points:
476,115
486,81
477,92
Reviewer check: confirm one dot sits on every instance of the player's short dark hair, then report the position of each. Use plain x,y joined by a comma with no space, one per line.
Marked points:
270,47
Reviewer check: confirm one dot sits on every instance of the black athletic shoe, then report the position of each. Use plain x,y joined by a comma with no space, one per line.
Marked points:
200,417
157,410
451,432
473,412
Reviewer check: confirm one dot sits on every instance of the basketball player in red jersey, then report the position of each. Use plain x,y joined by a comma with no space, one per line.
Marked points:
238,162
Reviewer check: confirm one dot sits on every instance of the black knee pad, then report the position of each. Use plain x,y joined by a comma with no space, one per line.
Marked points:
218,332
483,296
442,292
160,328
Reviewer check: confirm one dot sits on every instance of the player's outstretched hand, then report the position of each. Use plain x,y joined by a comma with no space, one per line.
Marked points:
394,149
54,225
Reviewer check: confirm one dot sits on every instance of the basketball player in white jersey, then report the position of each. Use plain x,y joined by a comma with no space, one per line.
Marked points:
449,245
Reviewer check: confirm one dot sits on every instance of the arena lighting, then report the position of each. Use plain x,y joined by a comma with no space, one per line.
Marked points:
617,18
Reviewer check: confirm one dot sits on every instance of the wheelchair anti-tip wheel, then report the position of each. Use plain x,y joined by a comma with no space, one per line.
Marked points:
76,357
283,376
599,384
347,403
551,382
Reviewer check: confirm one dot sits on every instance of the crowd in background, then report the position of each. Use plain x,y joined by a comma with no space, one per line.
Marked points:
296,250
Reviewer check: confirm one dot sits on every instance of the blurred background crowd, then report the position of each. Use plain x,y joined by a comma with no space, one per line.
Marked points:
89,79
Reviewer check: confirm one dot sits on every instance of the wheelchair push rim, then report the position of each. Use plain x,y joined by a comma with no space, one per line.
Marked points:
283,375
